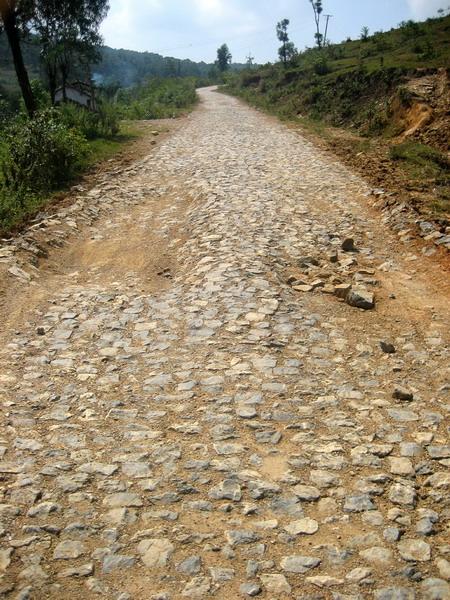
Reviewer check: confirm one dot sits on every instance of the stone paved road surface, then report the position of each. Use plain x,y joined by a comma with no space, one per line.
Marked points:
236,429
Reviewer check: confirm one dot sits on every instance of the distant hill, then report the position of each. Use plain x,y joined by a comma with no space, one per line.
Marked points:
123,67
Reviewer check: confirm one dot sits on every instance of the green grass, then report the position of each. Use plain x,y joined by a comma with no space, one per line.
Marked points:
425,165
421,160
104,148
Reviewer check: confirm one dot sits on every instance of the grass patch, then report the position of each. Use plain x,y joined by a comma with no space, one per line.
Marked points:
104,148
421,160
425,165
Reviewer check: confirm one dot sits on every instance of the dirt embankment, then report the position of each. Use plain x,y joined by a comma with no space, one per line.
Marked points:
410,161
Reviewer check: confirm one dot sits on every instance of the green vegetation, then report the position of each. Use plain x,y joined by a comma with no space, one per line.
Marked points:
421,163
157,99
370,87
116,68
39,156
46,154
347,84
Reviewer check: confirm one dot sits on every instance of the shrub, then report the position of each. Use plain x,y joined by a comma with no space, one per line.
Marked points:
92,125
411,30
321,66
41,155
5,113
157,99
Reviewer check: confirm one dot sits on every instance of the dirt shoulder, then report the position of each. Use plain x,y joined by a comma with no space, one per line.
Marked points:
60,237
406,200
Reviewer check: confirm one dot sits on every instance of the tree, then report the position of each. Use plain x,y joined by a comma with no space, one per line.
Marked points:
13,13
69,35
365,33
224,58
287,51
318,10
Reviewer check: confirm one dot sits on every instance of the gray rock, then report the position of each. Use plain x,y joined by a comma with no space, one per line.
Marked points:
402,494
68,549
240,537
276,584
226,490
360,298
394,593
434,589
155,552
220,574
250,589
190,566
391,534
299,564
307,493
304,526
197,587
117,562
81,571
414,550
358,503
377,555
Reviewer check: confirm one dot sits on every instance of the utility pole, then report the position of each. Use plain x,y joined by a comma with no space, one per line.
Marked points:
328,17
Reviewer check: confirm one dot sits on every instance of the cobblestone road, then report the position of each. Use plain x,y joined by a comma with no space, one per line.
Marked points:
241,431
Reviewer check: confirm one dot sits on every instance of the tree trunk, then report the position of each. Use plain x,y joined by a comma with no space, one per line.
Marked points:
51,76
8,16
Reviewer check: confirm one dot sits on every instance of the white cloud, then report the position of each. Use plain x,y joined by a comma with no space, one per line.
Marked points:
422,9
125,17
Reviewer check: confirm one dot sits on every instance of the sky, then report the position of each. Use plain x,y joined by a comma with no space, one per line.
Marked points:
196,28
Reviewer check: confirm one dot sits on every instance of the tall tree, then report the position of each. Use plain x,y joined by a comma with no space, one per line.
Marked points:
13,14
224,58
318,10
287,51
69,34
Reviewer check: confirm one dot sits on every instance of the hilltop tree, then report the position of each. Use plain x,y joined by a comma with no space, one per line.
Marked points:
318,10
365,33
224,58
14,14
287,51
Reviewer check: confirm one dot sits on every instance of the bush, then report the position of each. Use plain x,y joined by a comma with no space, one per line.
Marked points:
41,155
411,30
157,99
5,113
321,66
92,125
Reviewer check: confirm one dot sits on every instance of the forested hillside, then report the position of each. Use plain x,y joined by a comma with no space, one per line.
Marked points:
124,68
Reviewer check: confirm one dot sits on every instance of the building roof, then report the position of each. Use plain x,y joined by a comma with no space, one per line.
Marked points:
80,86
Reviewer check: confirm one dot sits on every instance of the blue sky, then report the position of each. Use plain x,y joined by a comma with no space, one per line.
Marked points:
195,28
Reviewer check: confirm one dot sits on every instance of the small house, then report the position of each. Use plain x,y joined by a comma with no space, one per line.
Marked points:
79,93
